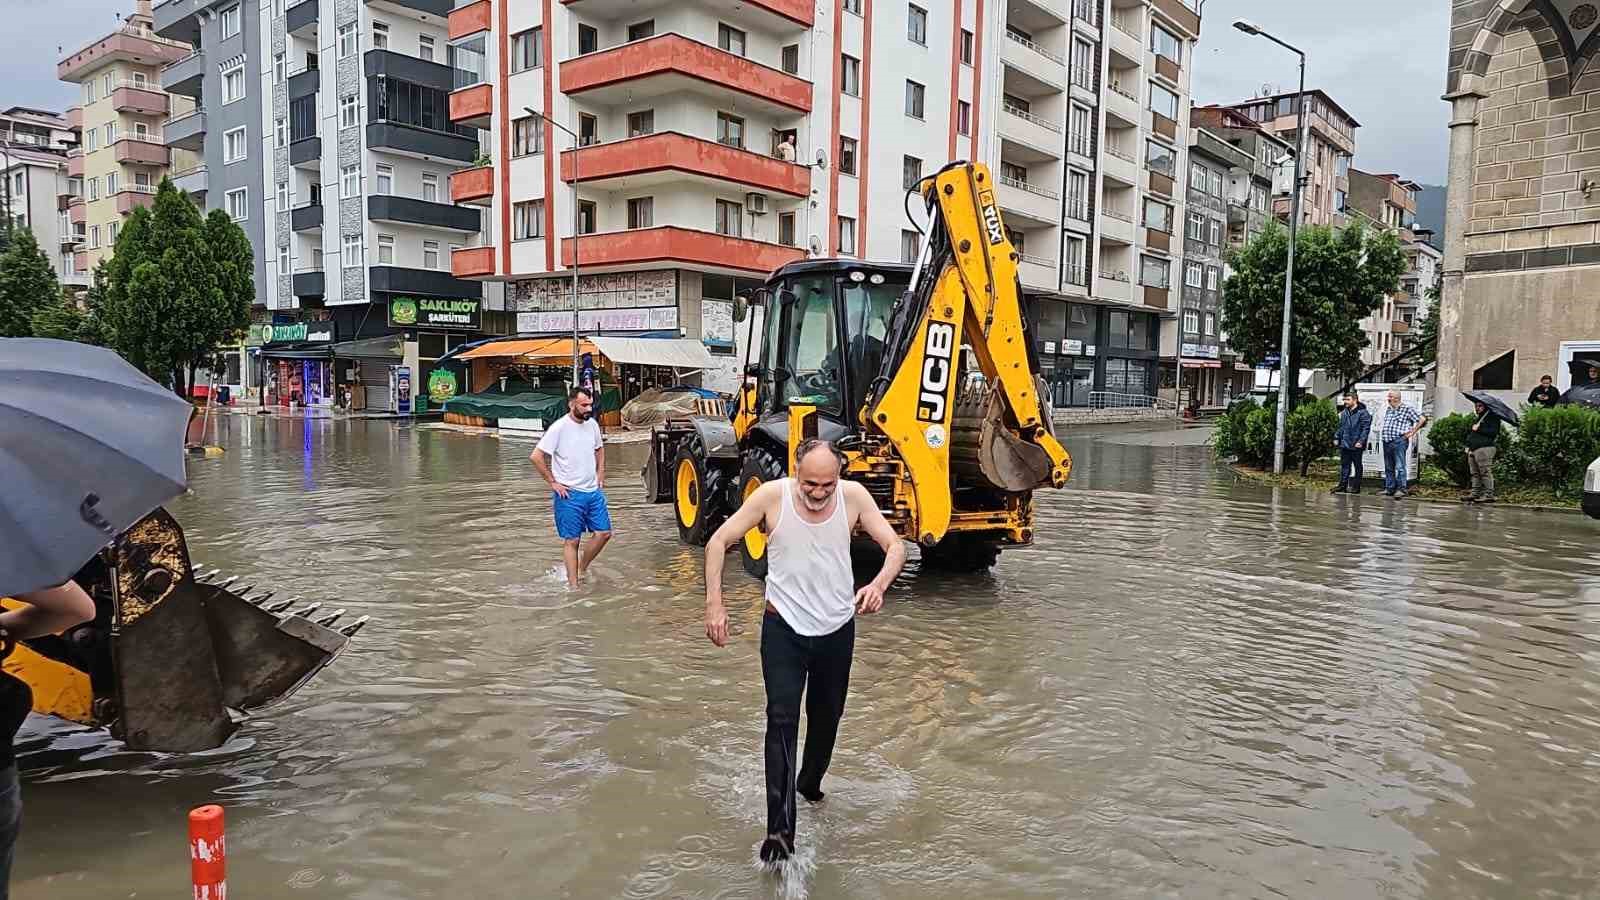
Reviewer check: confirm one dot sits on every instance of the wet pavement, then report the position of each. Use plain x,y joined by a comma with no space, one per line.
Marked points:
1189,686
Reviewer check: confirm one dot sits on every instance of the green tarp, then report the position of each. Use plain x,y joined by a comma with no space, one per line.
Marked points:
521,400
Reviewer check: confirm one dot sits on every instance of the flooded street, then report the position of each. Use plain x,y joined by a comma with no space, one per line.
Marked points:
1186,687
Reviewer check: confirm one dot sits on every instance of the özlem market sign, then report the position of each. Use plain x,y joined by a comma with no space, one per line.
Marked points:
435,312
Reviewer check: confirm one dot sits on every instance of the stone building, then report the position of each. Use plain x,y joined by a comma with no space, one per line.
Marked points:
1522,254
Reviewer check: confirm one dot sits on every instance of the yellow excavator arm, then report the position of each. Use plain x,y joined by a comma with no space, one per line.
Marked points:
964,292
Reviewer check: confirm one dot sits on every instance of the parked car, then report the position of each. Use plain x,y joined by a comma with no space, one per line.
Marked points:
1591,490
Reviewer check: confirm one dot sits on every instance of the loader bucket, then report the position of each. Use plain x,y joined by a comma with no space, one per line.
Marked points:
984,444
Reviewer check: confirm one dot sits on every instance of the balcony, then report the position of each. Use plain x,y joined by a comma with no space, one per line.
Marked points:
680,245
421,143
473,186
304,83
306,153
1155,297
141,101
309,283
301,19
193,180
1400,326
673,157
669,64
425,10
472,262
1122,102
71,238
78,213
306,217
142,152
469,19
1037,273
1111,287
75,119
1028,205
187,132
798,12
425,282
135,195
185,76
1116,226
1041,137
75,163
388,64
472,106
425,213
130,44
1119,164
1046,70
1125,38
178,20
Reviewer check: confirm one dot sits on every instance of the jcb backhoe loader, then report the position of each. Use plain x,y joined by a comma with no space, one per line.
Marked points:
171,651
924,375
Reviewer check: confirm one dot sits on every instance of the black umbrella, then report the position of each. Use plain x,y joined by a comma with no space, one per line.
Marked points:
1495,404
90,445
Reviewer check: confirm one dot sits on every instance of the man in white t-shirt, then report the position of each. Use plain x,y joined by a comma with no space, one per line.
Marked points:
572,458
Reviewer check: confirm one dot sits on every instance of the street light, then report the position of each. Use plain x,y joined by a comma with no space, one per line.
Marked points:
1284,357
576,144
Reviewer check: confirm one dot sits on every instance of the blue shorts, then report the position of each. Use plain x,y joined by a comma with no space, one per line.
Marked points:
581,511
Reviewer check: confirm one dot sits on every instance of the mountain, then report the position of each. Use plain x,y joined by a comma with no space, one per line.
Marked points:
1430,212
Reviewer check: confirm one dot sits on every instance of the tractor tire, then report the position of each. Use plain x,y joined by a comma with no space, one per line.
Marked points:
961,553
697,493
760,466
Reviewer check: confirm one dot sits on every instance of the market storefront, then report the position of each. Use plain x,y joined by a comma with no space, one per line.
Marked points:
1088,351
294,363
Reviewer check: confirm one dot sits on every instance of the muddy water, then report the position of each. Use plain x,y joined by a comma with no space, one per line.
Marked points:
1187,687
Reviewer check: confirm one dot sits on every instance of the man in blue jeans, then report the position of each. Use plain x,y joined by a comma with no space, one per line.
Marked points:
1400,424
572,458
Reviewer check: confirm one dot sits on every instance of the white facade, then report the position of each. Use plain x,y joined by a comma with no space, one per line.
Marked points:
33,184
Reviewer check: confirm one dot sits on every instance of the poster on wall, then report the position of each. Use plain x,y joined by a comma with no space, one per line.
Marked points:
607,290
593,321
1375,397
716,322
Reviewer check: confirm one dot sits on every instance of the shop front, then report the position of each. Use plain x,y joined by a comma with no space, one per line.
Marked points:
1095,355
295,363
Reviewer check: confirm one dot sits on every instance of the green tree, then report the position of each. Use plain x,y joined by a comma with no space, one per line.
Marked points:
1428,327
61,320
1340,276
27,282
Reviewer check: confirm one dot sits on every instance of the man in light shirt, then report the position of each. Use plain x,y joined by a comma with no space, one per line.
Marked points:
572,458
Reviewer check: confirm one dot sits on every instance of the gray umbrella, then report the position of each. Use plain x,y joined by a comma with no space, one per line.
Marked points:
90,445
1495,404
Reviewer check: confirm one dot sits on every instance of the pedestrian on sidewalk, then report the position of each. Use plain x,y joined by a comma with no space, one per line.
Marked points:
1480,454
1400,424
1355,429
1545,394
572,458
808,632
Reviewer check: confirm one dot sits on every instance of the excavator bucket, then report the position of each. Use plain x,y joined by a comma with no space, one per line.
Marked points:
172,651
985,445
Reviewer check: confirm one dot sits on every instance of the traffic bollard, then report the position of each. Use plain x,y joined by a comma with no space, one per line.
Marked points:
208,853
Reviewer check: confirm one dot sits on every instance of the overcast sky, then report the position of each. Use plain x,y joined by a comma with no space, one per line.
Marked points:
1382,60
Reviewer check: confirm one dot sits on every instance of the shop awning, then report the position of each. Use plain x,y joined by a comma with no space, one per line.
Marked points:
678,353
389,345
301,352
530,349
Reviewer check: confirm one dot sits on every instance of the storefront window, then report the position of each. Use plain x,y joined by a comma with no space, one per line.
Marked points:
1080,323
1140,332
1052,319
1117,334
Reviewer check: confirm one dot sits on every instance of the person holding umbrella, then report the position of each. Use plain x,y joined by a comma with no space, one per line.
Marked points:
91,446
1491,410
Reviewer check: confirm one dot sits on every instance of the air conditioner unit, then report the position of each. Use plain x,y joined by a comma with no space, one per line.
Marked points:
755,204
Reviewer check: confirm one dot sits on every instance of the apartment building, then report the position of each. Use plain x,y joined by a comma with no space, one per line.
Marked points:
121,157
325,132
36,129
1414,302
32,184
1330,150
1389,202
1196,345
711,144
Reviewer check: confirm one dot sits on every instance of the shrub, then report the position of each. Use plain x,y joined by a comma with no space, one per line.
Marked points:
1256,446
1556,445
1308,433
1448,437
1228,436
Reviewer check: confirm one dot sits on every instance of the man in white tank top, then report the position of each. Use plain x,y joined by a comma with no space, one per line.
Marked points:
808,631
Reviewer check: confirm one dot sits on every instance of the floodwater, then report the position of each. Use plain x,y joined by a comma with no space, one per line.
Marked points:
1188,687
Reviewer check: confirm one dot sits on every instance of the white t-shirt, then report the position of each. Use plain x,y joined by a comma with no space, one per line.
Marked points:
571,446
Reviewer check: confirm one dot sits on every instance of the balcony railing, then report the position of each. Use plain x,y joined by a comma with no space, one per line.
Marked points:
1036,48
1030,188
1081,146
1036,260
1117,86
184,117
1083,76
1125,25
1075,275
1119,215
1120,153
176,63
1030,117
136,189
1077,208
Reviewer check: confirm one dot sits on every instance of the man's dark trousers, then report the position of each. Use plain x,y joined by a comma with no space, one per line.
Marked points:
1350,470
788,660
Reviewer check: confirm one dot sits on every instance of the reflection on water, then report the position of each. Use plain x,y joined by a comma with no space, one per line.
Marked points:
1187,687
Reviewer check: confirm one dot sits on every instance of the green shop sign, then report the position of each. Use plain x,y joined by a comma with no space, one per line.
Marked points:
265,333
442,385
433,312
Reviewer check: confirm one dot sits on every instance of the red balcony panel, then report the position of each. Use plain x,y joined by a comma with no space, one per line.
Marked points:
794,10
674,54
133,150
472,106
127,200
78,213
80,262
472,262
680,152
127,45
75,164
75,118
682,245
140,101
474,186
469,19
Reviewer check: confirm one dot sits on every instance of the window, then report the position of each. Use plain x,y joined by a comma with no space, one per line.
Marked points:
588,39
385,180
1155,272
430,254
588,217
852,6
347,40
430,187
791,59
233,145
847,236
1157,215
1338,201
1080,131
914,99
731,39
1161,159
94,237
1078,194
966,46
910,245
283,260
527,220
847,156
283,195
280,133
380,35
278,69
963,117
527,137
910,172
1211,324
527,50
588,130
111,133
349,115
105,85
425,49
349,181
1165,43
1197,177
1191,322
231,21
238,204
641,122
1216,232
730,216
786,229
88,91
302,118
92,137
1213,275
1073,262
1082,63
1193,274
1216,184
233,83
730,130
917,25
352,250
385,249
94,188
111,183
1163,102
638,31
850,75
641,212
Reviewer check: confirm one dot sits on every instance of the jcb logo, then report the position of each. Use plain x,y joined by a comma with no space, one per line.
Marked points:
991,218
937,350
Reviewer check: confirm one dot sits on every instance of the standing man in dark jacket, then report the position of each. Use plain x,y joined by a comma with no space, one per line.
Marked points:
1480,454
1545,394
1355,427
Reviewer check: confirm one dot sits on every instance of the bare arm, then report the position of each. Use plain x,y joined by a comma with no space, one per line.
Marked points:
870,598
541,462
49,611
747,516
600,465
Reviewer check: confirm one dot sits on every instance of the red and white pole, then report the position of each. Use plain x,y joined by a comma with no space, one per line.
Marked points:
208,853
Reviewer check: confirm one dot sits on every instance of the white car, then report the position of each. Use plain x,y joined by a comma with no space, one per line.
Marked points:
1591,490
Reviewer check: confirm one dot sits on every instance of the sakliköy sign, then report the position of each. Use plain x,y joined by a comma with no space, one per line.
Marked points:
435,312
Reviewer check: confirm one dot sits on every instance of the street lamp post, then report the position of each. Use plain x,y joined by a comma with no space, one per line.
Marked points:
1284,357
577,144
